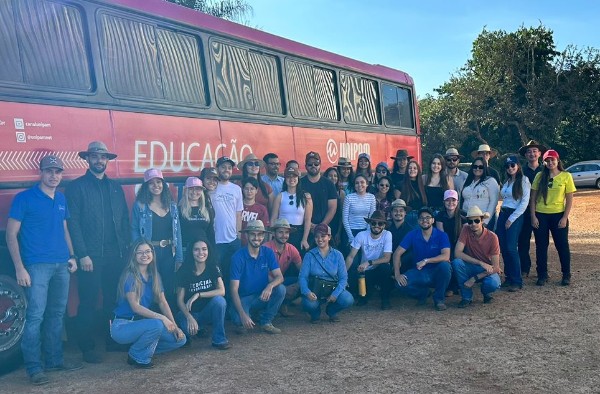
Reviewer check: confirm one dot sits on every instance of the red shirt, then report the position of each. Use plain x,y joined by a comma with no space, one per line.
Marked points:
288,256
482,248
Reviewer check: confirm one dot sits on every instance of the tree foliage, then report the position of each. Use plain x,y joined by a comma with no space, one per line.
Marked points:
233,10
517,87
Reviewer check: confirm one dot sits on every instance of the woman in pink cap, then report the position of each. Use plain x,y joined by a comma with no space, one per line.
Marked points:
196,216
551,201
155,217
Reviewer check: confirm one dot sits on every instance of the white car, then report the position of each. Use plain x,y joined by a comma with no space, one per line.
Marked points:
586,173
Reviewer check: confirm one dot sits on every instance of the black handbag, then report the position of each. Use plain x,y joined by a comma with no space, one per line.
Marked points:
322,287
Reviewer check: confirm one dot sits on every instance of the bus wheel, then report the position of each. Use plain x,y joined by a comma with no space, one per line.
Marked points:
12,323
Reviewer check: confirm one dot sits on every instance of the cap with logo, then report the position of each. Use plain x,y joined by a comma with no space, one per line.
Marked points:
322,229
225,159
152,173
51,161
193,182
551,153
312,155
209,172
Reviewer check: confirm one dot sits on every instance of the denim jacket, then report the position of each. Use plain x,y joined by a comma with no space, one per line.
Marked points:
141,226
334,264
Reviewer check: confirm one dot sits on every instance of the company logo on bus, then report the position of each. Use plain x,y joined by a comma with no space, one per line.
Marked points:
2,123
349,150
21,137
19,124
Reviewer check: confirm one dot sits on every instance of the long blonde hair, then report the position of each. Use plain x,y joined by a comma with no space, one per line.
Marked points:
132,270
186,208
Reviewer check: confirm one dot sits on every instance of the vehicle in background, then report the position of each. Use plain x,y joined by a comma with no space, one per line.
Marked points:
586,173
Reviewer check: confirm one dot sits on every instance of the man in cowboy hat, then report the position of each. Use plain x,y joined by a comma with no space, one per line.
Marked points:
452,159
399,228
256,282
532,152
431,255
289,261
39,245
99,227
477,257
376,247
487,153
399,169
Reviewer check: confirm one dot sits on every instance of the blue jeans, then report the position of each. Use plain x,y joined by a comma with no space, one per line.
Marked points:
213,313
147,336
344,300
419,281
464,271
253,301
509,240
46,303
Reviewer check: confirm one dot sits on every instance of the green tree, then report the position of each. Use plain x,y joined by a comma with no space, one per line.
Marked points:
233,10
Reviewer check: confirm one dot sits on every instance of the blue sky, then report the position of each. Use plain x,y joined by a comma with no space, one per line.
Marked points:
429,39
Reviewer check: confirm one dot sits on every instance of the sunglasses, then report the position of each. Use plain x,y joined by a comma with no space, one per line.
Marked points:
291,200
476,167
452,159
313,164
275,164
253,163
384,185
511,165
378,223
471,221
550,183
384,171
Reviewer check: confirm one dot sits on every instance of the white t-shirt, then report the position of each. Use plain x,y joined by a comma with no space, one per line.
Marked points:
227,200
372,249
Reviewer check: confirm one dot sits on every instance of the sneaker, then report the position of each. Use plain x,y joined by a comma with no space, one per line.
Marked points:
541,281
514,288
39,378
131,361
506,284
285,311
92,357
566,281
202,332
334,319
440,306
66,366
488,299
241,330
222,346
464,303
270,328
315,320
385,305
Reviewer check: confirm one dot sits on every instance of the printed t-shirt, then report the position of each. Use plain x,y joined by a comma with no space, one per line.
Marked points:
227,201
192,284
372,249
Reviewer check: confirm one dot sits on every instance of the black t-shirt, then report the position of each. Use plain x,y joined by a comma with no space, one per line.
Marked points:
321,192
196,227
397,181
449,228
108,227
398,234
435,197
494,174
192,284
529,173
162,227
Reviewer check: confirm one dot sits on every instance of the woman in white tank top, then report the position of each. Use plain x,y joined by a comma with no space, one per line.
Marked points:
295,206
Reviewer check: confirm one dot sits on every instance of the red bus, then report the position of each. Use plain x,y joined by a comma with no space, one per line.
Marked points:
168,87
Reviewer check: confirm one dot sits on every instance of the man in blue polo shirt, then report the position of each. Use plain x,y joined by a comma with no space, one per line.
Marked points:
40,246
256,282
431,255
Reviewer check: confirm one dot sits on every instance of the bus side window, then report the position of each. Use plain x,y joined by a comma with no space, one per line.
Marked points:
360,101
397,107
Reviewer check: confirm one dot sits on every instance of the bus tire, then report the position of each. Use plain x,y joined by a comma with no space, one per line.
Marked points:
12,323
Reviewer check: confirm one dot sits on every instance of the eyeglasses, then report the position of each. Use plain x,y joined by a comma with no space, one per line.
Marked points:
511,165
471,221
253,163
378,223
384,185
313,164
425,218
143,252
275,164
550,183
475,167
451,158
291,200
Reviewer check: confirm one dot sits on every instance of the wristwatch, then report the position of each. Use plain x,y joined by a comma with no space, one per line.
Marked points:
72,257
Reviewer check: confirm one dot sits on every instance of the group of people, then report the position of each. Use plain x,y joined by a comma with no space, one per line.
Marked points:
252,247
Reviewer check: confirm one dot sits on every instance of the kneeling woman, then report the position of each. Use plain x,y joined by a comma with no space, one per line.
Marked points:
324,263
200,295
135,323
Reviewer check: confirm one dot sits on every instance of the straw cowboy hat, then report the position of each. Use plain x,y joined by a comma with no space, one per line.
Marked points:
281,223
250,157
484,148
451,152
255,225
475,212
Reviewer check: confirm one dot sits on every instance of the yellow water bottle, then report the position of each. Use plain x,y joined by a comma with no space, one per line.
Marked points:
362,285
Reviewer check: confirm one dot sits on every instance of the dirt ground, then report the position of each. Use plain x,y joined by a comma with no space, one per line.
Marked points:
540,340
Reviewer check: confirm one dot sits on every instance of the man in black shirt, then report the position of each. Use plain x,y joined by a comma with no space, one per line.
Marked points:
532,152
322,191
99,228
399,228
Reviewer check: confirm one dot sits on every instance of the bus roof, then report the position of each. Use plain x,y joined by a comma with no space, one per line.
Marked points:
204,21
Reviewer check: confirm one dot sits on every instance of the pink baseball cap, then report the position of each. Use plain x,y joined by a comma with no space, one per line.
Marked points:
193,182
152,173
450,194
551,153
